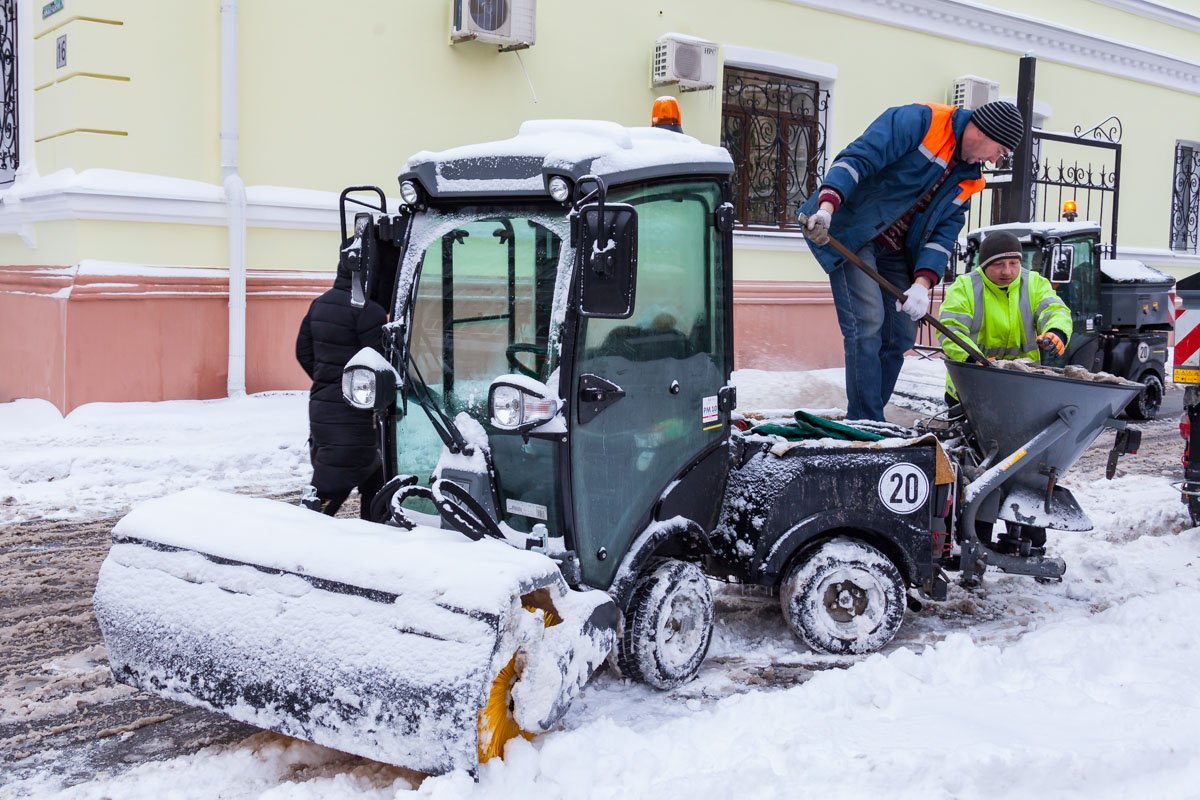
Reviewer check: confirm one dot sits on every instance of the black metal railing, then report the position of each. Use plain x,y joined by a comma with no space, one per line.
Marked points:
1058,172
10,155
774,128
1185,198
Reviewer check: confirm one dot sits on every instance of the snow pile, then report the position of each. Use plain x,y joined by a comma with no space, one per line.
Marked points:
104,457
767,394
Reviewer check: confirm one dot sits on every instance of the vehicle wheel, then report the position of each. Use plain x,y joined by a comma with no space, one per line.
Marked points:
668,625
1146,404
846,597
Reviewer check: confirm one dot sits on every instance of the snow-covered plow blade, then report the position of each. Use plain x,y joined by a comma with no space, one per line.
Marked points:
365,638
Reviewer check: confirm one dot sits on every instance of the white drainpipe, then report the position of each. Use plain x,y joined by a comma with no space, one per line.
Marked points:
235,196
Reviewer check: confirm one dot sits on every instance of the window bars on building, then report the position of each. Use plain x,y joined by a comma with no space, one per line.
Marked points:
1185,197
9,140
774,128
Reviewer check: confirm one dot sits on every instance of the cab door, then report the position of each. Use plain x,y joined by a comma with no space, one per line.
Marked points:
645,388
1082,296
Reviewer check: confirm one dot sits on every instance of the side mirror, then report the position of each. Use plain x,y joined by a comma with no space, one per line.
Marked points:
360,255
1062,263
606,259
968,255
369,382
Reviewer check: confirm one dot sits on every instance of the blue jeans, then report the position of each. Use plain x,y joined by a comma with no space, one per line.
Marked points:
875,334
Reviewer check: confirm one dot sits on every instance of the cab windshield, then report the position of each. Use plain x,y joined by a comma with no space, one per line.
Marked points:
481,293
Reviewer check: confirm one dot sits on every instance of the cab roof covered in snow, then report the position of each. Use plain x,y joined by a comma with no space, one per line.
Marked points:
1052,229
524,164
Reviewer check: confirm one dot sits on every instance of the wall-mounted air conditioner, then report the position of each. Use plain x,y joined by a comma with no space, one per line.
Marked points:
972,91
508,23
685,60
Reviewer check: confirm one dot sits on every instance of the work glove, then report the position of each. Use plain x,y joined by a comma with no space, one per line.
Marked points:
816,226
916,302
1051,343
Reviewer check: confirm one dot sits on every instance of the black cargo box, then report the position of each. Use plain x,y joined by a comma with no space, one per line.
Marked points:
1133,295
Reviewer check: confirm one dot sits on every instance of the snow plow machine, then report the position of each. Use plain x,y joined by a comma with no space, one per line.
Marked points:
565,473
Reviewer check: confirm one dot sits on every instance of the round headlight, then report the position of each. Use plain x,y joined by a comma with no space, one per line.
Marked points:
507,407
358,388
409,193
560,190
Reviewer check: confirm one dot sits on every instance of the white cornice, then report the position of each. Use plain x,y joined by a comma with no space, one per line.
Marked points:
791,241
169,201
1004,30
1156,12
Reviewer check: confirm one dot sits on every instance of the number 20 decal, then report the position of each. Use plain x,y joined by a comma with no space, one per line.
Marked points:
903,488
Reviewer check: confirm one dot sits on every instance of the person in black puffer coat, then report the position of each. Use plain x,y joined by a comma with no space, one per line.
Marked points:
342,438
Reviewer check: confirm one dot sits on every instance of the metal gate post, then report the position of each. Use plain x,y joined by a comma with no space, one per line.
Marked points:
1018,205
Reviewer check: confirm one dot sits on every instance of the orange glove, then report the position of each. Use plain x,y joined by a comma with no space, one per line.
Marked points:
1051,343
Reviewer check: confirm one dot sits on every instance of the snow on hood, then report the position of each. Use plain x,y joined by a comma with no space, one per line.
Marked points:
425,562
1127,270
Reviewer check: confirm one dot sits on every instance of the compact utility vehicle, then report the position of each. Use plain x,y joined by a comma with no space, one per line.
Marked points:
556,420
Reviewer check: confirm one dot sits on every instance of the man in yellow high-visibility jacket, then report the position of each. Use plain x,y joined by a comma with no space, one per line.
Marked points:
1008,311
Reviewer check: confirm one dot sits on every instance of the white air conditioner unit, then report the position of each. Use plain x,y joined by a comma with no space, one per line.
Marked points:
685,60
512,24
972,91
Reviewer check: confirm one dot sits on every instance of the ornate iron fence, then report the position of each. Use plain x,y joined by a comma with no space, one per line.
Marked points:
1059,172
774,128
9,138
1185,198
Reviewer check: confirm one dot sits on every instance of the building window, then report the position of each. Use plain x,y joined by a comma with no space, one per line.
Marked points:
1185,197
774,127
9,152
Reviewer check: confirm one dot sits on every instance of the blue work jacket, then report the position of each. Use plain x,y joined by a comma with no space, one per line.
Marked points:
882,174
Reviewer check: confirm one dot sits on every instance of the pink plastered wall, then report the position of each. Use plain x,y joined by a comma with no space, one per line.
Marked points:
76,338
783,325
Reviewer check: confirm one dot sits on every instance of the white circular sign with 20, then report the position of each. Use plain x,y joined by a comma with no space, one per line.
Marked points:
903,487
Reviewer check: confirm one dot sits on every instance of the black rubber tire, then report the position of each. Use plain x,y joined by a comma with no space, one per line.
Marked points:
1147,404
844,598
668,625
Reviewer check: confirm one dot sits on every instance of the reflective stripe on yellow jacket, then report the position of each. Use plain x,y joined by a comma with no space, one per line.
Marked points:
1003,321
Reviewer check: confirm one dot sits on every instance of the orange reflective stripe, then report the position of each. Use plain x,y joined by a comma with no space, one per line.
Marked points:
939,139
969,188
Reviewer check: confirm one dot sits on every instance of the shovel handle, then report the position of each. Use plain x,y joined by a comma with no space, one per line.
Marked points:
970,348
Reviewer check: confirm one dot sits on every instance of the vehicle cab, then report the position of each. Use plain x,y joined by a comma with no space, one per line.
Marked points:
562,332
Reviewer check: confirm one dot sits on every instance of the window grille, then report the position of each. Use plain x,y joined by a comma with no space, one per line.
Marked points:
1185,197
774,128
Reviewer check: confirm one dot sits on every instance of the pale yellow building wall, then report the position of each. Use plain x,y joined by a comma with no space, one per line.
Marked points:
338,95
144,75
67,242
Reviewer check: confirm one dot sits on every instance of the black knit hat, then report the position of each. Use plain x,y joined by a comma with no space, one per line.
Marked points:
997,245
1001,122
